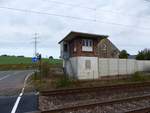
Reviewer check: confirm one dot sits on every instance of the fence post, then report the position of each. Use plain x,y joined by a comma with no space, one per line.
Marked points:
118,66
108,72
143,65
135,66
93,75
98,67
127,66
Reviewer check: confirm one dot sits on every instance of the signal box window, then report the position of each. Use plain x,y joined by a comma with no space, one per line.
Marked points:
87,45
65,47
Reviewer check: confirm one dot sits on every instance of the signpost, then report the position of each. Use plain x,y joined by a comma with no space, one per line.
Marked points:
36,60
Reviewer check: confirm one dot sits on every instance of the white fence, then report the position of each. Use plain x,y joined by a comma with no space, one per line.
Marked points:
104,67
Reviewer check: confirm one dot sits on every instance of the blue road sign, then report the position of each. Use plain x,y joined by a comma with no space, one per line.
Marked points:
34,59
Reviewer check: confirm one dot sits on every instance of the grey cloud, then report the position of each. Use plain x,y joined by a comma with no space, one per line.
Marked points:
17,28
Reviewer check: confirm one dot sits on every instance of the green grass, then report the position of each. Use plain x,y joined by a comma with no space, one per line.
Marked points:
14,60
16,63
24,60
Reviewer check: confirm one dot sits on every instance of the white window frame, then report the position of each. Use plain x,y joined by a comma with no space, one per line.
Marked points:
87,42
87,45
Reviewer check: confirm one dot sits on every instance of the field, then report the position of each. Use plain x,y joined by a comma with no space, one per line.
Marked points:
24,60
12,62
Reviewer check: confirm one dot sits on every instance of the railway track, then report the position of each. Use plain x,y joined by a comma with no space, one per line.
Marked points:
136,104
94,97
94,89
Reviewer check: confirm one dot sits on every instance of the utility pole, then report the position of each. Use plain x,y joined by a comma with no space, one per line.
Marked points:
36,55
35,43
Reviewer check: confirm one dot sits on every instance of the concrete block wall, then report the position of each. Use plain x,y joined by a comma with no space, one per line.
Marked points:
110,67
104,67
71,66
146,65
84,73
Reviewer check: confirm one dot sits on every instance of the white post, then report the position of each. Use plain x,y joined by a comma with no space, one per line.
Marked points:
108,67
127,66
98,67
135,66
93,75
118,67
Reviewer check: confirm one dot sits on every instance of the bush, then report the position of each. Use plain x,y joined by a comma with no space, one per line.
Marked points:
51,57
123,54
143,55
138,77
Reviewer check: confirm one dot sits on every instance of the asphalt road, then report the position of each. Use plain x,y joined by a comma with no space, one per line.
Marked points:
11,84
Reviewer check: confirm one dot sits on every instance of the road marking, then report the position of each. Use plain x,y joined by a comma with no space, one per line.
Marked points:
16,105
21,94
7,75
37,93
4,77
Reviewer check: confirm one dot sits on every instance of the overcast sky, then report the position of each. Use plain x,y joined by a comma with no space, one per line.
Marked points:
127,22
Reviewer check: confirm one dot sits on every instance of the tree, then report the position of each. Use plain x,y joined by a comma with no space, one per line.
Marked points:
123,54
51,57
140,55
143,55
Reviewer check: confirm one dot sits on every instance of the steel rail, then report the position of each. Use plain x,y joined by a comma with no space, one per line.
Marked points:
143,110
90,89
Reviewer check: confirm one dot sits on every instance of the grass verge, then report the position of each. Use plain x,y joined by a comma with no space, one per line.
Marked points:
54,81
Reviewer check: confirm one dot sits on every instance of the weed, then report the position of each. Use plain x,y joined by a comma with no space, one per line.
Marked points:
45,68
63,82
138,77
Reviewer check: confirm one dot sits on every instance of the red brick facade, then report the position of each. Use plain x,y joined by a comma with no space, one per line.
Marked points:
75,49
77,43
101,46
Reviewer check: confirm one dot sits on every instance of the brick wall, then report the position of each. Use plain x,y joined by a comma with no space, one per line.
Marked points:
76,44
